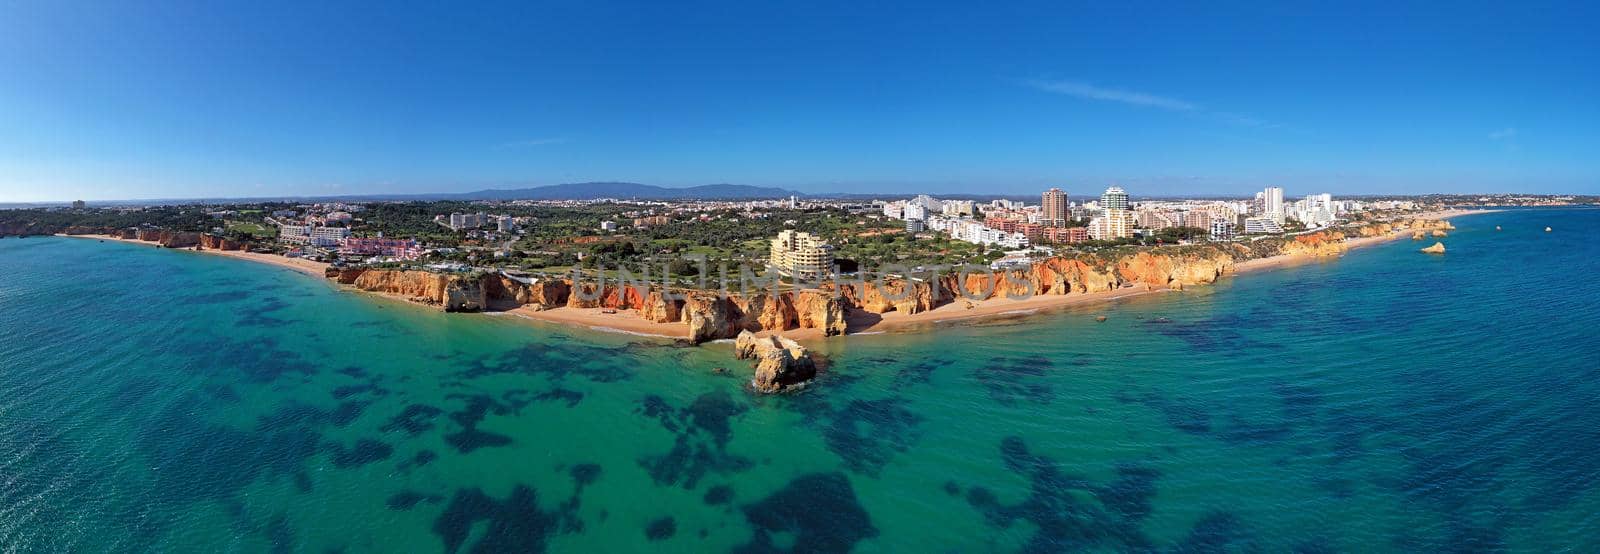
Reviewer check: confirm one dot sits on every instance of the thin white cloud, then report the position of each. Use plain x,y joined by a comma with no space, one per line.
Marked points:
1143,99
1504,134
1091,92
533,142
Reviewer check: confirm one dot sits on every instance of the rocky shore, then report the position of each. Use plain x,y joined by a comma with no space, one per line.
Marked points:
839,307
835,308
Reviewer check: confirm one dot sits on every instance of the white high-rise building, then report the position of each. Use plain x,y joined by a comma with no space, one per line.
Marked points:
928,202
895,209
1114,198
914,211
1272,204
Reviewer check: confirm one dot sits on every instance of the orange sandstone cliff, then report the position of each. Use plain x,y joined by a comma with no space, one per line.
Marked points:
711,316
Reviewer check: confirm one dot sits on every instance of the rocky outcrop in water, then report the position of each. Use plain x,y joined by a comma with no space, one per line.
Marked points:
1437,248
781,364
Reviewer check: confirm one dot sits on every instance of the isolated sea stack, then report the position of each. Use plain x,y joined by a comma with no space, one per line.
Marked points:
1437,248
781,363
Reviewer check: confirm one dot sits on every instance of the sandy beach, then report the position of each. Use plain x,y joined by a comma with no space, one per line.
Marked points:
302,265
859,322
620,321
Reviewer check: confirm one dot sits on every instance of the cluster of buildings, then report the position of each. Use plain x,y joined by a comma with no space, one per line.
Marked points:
955,217
465,222
328,226
1112,216
1269,211
399,249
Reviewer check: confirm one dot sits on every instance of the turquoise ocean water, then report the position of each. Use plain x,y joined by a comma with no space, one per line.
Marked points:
169,401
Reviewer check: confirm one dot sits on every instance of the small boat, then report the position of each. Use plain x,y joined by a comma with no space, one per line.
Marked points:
1497,227
608,311
1546,229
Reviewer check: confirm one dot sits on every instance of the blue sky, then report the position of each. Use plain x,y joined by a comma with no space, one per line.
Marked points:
145,100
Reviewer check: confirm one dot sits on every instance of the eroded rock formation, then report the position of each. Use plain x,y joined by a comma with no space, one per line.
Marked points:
709,315
781,363
452,292
214,242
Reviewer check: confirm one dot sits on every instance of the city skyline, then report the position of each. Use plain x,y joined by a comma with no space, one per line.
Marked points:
124,102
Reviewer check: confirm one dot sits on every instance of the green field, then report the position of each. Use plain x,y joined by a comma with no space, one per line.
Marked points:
252,228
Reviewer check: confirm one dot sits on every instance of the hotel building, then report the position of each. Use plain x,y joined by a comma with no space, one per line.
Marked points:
801,255
1054,204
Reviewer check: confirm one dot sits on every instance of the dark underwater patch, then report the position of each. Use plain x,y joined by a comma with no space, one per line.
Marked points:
570,397
353,371
421,458
1300,402
1222,334
1058,507
1182,414
918,373
260,360
1217,531
515,524
414,420
257,314
280,534
661,529
364,452
346,412
347,391
1015,380
585,474
868,433
820,511
717,495
557,361
703,431
469,438
405,500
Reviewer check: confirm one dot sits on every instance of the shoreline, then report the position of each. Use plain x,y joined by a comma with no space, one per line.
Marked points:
301,265
626,321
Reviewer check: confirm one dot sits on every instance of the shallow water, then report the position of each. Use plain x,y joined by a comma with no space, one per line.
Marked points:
1384,401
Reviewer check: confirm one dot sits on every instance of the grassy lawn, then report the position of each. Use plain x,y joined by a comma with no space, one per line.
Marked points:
256,229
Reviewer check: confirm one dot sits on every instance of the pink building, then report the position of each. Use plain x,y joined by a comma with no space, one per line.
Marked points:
405,249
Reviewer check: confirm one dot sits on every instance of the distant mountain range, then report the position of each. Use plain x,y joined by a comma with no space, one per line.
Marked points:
635,191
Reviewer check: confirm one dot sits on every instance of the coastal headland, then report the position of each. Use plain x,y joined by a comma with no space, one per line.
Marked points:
834,308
